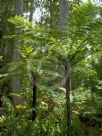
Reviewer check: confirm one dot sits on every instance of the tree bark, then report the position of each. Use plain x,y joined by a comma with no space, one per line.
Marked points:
16,80
19,7
51,13
34,95
34,103
68,90
63,16
31,10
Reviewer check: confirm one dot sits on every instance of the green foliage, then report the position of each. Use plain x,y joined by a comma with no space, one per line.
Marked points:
76,125
47,122
45,52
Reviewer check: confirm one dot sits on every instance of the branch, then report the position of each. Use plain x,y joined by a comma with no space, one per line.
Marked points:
80,46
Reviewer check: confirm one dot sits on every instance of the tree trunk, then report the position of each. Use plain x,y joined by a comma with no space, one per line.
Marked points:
34,95
51,13
63,16
19,7
34,103
31,10
68,109
16,80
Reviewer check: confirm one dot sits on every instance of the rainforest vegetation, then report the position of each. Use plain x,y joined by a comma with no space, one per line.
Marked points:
50,68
